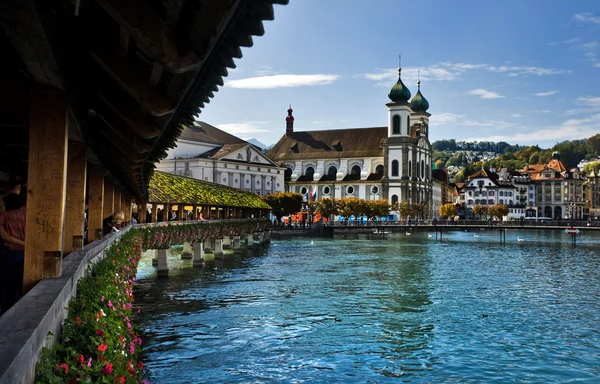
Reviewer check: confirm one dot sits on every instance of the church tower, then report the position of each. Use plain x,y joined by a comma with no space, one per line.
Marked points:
407,151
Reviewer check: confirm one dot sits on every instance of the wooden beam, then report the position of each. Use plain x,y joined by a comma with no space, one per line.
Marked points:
131,81
118,203
141,209
131,114
127,151
75,202
152,34
109,196
24,25
46,185
154,213
120,128
95,201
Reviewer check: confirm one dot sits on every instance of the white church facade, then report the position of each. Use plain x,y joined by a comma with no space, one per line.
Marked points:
392,162
207,153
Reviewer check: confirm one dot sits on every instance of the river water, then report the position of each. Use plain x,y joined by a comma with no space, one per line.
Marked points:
380,308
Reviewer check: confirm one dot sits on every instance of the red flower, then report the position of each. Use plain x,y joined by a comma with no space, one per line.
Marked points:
108,368
140,365
122,379
63,366
102,347
100,333
81,359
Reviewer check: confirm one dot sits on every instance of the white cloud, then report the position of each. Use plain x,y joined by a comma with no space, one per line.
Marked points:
549,93
446,118
485,94
597,65
516,115
590,101
572,129
282,81
587,18
241,129
448,71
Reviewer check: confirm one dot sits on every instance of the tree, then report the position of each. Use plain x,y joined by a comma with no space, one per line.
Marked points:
481,211
403,209
498,211
326,207
350,206
418,210
448,210
591,166
439,164
284,203
377,208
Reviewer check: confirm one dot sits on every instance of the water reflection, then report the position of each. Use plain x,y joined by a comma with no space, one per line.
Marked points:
362,309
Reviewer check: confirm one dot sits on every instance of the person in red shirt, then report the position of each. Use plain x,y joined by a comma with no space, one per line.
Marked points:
12,231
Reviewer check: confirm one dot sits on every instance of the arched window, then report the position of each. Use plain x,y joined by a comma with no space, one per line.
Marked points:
379,170
395,168
408,125
288,174
355,171
332,171
309,173
423,169
394,199
396,125
409,168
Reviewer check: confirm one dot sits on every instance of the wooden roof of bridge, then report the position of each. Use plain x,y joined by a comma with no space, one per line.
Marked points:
168,188
135,72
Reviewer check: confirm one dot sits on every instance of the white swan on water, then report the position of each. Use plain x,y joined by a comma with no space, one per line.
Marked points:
408,233
520,238
312,241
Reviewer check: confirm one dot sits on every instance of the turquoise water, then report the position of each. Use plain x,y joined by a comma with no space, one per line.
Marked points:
384,308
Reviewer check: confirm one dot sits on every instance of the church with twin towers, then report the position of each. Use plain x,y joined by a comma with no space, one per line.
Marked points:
392,163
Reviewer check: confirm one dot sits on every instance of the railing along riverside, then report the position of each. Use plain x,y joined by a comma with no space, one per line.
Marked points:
35,320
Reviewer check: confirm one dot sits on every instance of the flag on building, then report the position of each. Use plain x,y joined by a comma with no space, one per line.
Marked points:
313,193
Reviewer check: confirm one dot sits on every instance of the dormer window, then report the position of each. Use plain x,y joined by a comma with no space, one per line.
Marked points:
294,147
337,145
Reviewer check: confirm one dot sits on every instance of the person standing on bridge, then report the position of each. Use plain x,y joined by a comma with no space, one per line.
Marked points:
12,231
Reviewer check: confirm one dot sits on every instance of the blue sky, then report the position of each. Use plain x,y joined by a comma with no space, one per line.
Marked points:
514,71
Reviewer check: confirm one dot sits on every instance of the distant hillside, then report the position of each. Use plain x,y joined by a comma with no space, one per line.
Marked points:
257,143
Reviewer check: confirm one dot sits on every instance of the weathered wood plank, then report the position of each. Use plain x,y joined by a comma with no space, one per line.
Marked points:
46,185
75,201
95,201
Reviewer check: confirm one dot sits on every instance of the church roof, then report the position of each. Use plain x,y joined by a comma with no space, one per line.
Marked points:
330,144
206,133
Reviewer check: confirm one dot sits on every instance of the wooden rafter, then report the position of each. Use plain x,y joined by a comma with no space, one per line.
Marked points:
131,81
131,114
152,34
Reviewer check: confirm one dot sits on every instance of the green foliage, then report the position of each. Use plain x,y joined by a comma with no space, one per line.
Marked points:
168,188
448,210
351,206
284,203
99,340
498,211
595,166
326,207
377,208
481,211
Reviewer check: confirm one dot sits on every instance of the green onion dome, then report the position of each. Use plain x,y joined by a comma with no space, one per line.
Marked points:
418,102
399,93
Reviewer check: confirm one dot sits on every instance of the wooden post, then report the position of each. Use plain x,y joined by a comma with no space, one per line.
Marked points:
154,213
95,201
126,206
75,212
195,210
141,207
46,185
109,195
166,211
117,203
180,211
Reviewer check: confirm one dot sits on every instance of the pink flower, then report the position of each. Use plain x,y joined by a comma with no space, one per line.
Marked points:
102,299
108,368
89,362
109,303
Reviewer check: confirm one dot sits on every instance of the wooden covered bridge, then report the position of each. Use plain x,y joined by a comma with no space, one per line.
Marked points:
92,94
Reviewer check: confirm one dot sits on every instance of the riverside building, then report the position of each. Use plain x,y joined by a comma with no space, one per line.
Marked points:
391,162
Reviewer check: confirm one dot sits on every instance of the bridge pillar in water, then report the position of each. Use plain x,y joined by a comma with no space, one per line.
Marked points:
226,242
236,244
218,248
208,245
261,238
198,260
187,251
267,236
163,268
250,240
208,257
